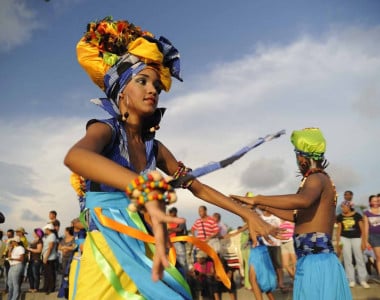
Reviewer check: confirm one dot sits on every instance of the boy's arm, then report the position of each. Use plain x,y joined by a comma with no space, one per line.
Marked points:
310,193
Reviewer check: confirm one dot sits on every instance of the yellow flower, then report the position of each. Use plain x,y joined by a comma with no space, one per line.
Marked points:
78,184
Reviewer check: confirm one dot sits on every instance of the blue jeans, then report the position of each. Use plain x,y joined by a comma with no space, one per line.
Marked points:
14,275
34,272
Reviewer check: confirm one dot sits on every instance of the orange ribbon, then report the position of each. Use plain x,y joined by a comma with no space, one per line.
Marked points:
142,236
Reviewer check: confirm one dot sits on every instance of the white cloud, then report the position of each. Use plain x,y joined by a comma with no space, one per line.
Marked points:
8,172
263,174
17,22
34,174
329,83
345,176
367,103
307,83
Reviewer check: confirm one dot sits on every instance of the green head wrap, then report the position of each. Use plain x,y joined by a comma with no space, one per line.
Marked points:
249,194
309,142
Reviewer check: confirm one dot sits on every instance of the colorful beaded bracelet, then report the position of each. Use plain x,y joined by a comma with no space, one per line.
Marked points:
181,171
149,187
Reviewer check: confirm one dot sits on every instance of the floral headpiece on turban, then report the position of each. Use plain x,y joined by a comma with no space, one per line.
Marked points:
112,52
309,142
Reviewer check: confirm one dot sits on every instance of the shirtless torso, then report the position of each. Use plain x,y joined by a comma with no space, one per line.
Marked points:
320,215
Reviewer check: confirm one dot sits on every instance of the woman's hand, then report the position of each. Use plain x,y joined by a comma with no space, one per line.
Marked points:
153,192
156,210
248,201
258,227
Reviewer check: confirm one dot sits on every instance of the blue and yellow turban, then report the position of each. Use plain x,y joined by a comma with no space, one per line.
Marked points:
309,142
111,52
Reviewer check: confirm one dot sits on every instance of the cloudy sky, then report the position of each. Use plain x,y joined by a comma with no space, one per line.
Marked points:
250,68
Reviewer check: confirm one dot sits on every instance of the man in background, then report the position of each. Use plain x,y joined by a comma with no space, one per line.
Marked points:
206,229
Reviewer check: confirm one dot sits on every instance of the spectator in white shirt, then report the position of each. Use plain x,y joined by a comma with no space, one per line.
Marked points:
49,257
15,257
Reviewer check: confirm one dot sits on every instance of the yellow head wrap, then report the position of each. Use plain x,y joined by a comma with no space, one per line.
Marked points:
113,51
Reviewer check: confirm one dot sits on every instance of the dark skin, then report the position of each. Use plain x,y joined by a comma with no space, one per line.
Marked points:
139,99
315,203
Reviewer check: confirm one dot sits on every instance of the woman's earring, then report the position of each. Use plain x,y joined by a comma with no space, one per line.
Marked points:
154,128
124,116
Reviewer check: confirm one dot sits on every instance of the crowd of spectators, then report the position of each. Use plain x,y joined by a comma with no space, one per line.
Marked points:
357,243
44,259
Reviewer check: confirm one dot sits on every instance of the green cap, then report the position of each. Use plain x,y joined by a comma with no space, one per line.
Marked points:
309,142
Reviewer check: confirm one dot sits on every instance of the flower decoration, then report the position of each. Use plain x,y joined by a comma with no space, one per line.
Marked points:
112,37
78,183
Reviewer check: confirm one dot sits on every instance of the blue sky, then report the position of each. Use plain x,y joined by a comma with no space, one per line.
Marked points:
249,67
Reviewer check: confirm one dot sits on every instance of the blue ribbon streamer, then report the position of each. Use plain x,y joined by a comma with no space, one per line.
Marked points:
213,166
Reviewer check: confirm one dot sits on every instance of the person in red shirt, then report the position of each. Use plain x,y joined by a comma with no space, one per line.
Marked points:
206,229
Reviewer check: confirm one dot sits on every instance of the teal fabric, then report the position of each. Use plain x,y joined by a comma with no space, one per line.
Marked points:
130,252
265,274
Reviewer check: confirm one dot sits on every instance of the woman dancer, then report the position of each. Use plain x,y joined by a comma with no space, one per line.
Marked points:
118,158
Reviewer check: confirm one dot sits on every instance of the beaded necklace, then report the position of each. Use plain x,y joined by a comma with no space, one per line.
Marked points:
309,172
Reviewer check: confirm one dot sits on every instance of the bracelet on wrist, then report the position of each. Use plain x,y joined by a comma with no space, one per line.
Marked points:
182,171
149,187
